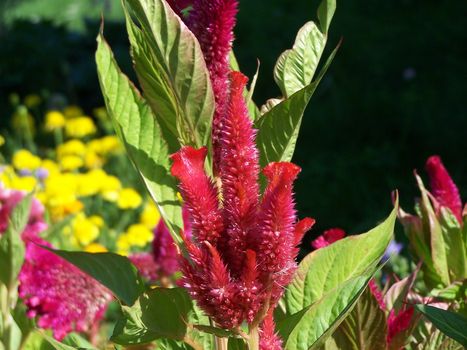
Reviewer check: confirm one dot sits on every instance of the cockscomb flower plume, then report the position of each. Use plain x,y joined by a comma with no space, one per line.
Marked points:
269,338
328,237
443,187
62,297
243,247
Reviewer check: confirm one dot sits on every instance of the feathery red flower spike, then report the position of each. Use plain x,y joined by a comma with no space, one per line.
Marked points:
243,248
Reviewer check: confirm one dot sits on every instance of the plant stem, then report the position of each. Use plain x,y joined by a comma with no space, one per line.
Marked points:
221,343
253,339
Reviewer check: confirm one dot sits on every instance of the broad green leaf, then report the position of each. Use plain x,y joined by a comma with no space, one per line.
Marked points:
169,344
57,345
432,227
142,136
36,341
159,313
171,69
197,318
12,335
111,270
310,327
327,268
296,67
11,245
365,328
325,13
454,245
452,324
278,128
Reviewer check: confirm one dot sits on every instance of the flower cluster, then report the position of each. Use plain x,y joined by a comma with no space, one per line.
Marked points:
243,249
73,176
62,297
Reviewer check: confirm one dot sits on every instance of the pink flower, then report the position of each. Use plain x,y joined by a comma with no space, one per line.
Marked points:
398,323
212,22
146,265
62,297
8,200
376,292
443,187
269,340
243,249
328,237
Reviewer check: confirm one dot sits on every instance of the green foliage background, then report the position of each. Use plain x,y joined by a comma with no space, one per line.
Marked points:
395,94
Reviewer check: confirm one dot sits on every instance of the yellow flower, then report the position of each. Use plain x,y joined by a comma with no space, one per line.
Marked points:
72,112
2,140
128,198
59,195
123,246
139,235
84,230
70,163
72,147
80,127
23,183
25,160
95,248
32,100
110,145
97,220
51,167
92,160
90,183
54,120
110,188
150,215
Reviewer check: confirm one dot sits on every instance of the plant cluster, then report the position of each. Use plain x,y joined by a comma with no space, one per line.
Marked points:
222,273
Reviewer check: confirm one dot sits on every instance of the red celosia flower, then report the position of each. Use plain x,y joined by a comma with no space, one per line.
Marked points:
398,323
330,236
269,340
146,266
376,292
243,249
212,22
443,188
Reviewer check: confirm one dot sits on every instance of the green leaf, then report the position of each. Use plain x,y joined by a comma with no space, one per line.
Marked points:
326,11
222,333
397,293
77,341
435,239
278,128
159,313
296,67
11,336
197,318
364,328
310,327
236,344
452,324
171,69
11,245
36,341
327,268
56,344
142,136
454,245
112,270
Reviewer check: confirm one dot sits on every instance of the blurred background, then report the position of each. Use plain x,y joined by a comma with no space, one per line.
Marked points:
395,93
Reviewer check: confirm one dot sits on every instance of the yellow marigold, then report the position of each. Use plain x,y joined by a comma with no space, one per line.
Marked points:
32,100
111,145
123,245
97,220
150,215
25,160
92,160
128,198
23,183
110,188
70,163
80,127
84,230
139,235
90,183
2,140
54,120
51,167
72,112
72,147
95,248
